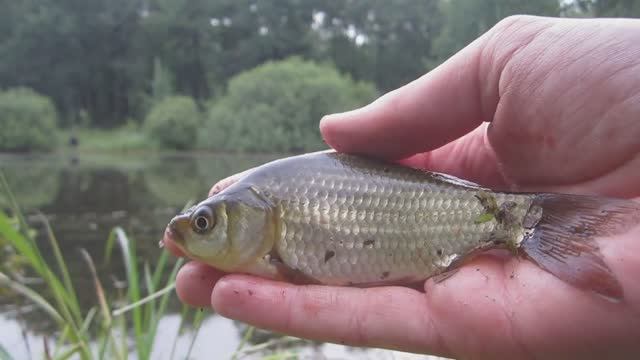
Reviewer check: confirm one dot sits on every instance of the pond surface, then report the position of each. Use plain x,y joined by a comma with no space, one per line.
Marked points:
85,196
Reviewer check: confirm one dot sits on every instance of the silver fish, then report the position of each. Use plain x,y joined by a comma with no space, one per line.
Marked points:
337,219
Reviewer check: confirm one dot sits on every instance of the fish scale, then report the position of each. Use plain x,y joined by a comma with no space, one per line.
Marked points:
329,213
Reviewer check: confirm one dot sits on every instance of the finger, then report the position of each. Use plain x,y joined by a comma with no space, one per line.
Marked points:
388,317
621,182
437,108
418,117
470,157
425,114
194,283
228,181
489,309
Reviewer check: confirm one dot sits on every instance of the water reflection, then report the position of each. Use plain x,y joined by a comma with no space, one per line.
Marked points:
85,197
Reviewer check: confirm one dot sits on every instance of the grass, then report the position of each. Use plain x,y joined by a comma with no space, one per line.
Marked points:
104,331
122,139
101,332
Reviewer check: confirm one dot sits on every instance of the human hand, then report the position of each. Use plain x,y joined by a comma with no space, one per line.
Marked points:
563,101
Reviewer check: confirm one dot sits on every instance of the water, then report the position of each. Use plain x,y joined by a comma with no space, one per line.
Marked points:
84,197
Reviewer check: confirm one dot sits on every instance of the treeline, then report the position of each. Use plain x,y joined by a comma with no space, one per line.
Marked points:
104,63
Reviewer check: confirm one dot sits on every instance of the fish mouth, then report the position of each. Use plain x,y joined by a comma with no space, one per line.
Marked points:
172,238
171,241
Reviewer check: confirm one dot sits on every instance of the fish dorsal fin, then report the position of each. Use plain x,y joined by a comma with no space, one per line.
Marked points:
454,180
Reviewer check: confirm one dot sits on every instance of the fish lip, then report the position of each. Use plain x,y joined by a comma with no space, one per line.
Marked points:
172,232
172,241
174,224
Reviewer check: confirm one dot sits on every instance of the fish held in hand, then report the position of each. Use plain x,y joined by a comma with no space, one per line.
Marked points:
338,219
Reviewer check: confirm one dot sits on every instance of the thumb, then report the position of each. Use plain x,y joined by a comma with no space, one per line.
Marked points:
435,109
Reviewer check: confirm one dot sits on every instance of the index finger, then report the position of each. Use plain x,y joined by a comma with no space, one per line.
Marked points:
228,181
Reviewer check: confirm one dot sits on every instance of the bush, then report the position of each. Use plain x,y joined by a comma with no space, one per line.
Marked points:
174,122
277,106
28,121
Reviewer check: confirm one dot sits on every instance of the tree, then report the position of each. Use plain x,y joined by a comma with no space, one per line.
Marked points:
385,41
28,121
97,57
277,106
75,51
465,20
174,122
603,8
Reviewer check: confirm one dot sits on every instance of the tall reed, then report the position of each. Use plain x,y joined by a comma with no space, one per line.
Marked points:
100,332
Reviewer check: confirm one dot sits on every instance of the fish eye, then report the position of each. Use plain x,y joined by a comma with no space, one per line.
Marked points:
202,220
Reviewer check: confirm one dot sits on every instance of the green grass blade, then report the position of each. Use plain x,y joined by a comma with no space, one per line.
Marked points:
14,204
61,339
198,317
133,291
88,320
22,244
149,307
164,300
281,356
124,348
144,300
103,343
183,318
247,335
25,246
33,296
58,293
277,342
161,265
147,278
4,354
69,352
102,299
71,297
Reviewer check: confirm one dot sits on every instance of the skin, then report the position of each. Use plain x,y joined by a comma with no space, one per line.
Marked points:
560,101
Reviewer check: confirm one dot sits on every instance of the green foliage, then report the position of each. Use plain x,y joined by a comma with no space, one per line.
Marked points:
466,20
161,83
602,8
33,186
174,123
387,42
277,106
125,138
27,120
176,186
82,54
148,292
50,45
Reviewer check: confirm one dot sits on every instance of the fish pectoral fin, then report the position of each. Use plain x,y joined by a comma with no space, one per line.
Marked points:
459,260
287,273
444,275
261,196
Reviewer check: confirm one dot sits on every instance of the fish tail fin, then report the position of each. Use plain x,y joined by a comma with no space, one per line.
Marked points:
563,238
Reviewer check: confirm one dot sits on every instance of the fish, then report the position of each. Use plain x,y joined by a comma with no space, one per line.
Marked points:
331,218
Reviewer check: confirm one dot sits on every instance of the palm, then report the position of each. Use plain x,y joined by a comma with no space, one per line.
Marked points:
496,307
